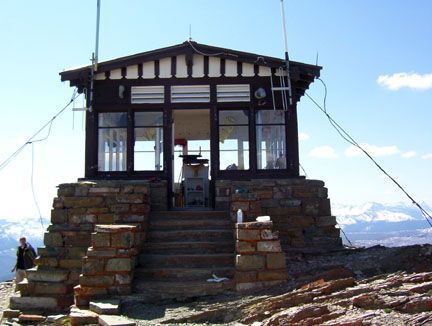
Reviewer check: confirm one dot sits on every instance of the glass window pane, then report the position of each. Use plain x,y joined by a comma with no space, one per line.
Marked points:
233,117
118,119
233,148
145,119
270,117
148,149
271,147
197,145
112,149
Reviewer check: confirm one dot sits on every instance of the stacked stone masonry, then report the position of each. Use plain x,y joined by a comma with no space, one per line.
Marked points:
108,267
299,209
260,261
76,210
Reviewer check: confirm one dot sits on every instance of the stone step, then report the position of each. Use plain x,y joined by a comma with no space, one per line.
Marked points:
33,304
152,290
187,261
66,252
38,274
108,320
67,227
202,247
190,235
195,224
10,313
23,287
189,214
105,307
82,317
31,319
182,274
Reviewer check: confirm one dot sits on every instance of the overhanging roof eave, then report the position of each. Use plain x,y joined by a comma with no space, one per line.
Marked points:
246,57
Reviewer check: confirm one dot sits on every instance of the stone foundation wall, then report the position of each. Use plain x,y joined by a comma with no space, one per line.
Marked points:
109,264
158,195
299,209
260,261
76,210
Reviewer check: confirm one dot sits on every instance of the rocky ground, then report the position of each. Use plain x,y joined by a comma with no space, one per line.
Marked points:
374,286
393,299
6,290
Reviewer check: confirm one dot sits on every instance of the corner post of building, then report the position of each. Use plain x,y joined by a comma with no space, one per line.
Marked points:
293,141
90,141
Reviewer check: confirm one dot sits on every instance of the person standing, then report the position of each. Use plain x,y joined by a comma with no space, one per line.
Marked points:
25,260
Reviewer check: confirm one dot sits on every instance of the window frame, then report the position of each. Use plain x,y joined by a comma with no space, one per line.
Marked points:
221,173
253,172
284,126
135,126
98,128
130,169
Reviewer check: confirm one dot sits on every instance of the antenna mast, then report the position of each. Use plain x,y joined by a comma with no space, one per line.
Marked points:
287,63
95,57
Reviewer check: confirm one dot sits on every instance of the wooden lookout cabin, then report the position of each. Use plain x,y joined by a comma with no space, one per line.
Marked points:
192,114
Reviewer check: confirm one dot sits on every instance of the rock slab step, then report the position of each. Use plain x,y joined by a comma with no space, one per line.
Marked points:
83,317
56,318
108,320
184,274
160,290
33,303
194,247
105,307
187,261
10,313
31,318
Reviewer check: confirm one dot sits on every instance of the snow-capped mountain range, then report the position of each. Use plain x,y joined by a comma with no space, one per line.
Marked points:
377,212
391,225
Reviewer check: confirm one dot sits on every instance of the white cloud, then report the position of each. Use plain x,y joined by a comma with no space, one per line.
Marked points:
409,80
303,136
373,150
323,152
427,156
409,154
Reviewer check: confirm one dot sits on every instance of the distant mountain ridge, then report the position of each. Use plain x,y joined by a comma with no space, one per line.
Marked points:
395,224
375,212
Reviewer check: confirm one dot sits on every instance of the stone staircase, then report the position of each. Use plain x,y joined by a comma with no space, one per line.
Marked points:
183,250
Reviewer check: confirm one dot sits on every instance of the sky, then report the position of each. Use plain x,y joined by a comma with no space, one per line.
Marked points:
376,58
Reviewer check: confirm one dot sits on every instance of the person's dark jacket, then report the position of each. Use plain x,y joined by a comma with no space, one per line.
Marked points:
28,256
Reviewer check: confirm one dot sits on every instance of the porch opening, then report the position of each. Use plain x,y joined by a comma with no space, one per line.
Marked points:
191,158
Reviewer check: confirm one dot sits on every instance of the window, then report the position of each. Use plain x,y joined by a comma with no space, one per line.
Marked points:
233,140
270,138
148,144
112,144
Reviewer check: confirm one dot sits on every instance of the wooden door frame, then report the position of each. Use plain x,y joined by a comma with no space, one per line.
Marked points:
169,149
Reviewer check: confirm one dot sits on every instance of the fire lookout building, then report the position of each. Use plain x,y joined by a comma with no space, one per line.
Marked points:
192,115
